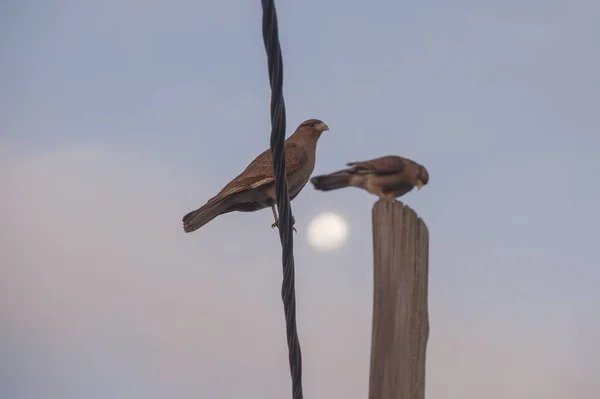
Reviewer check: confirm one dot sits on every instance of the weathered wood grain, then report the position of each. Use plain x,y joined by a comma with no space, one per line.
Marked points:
400,309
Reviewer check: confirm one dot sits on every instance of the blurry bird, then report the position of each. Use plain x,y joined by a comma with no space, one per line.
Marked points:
388,177
254,188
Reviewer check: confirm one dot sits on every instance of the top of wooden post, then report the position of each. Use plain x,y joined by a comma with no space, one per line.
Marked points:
385,207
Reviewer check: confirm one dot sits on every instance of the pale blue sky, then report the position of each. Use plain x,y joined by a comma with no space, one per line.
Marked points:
118,117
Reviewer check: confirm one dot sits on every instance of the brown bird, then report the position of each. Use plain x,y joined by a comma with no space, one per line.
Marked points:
388,177
254,188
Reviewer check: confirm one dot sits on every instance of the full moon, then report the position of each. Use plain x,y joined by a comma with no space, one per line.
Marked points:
327,231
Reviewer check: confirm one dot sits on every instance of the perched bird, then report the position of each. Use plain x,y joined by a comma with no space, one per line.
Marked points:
254,188
388,177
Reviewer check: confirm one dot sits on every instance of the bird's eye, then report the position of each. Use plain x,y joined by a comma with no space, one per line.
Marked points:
313,124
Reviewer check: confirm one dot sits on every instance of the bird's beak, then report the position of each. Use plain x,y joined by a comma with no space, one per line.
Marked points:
322,127
419,184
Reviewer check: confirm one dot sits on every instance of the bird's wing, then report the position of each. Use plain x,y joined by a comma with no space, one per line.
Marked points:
381,166
260,170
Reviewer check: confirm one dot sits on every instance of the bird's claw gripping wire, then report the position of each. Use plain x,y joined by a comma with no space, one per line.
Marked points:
276,224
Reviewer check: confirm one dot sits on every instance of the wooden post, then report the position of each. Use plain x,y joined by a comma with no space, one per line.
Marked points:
400,314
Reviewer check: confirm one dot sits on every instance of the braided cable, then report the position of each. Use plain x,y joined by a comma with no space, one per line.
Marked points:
288,291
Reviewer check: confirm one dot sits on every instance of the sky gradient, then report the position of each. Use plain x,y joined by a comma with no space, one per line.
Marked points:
118,117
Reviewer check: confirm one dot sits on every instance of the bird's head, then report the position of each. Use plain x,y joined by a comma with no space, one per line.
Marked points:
422,177
313,127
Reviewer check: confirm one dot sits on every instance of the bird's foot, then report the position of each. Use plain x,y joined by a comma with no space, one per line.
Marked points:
276,224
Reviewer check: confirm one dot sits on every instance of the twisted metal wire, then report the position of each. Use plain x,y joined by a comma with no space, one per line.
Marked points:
288,291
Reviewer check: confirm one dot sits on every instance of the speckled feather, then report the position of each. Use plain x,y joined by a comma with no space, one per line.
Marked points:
260,170
382,165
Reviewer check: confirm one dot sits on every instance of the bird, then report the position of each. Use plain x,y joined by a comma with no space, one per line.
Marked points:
388,177
254,188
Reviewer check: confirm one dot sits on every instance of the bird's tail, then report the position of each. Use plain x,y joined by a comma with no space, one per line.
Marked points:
195,219
332,181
